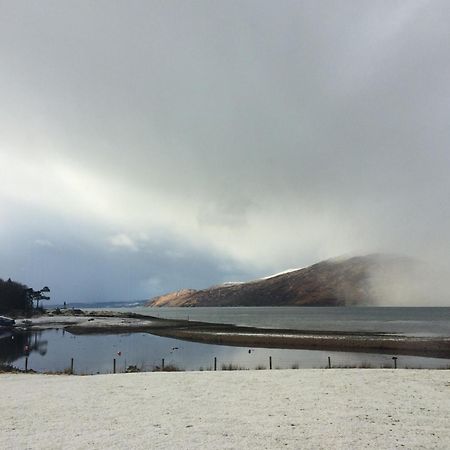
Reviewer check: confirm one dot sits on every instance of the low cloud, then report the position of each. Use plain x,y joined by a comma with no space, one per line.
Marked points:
410,283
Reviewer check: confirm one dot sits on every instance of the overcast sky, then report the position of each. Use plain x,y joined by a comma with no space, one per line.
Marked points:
147,146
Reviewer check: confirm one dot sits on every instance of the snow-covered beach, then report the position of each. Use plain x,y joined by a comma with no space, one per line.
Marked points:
336,408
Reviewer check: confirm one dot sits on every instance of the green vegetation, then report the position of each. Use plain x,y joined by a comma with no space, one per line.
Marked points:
17,298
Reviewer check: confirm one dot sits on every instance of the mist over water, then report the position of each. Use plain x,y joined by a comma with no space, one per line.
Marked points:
415,284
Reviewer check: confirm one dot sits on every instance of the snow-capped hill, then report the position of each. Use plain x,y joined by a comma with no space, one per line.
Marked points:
335,282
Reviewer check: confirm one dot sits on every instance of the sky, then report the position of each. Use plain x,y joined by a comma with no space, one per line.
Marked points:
148,146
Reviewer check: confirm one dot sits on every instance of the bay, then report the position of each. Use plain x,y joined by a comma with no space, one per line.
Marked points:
52,350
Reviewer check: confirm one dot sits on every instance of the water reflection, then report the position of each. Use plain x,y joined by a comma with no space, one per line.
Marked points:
52,350
16,345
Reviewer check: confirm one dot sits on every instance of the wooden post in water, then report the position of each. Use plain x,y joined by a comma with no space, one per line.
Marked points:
270,362
114,365
395,361
162,364
71,366
26,363
329,362
215,363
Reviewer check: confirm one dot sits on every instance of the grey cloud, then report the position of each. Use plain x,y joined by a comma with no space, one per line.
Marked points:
266,134
84,263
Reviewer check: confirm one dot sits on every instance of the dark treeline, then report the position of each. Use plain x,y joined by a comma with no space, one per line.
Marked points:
14,297
17,297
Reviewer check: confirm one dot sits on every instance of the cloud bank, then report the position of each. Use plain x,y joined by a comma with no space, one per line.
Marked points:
156,145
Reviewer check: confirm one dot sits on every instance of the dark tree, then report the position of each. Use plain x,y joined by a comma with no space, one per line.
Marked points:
17,297
37,296
14,297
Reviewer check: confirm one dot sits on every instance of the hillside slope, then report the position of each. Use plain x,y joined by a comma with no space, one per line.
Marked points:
335,282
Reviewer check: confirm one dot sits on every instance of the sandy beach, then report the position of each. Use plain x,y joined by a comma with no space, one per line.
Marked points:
354,408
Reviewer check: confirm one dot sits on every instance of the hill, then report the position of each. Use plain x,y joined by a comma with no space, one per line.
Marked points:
334,282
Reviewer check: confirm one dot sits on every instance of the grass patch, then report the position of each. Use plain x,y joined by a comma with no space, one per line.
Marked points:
231,366
168,368
9,368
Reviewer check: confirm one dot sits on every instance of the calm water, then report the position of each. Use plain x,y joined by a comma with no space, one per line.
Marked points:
52,350
408,321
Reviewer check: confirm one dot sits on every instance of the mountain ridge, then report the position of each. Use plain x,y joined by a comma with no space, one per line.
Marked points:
333,282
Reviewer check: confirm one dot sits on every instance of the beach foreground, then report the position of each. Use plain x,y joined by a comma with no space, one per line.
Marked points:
317,408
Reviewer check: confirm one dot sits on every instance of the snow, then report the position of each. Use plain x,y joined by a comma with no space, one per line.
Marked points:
333,408
234,283
281,273
45,322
